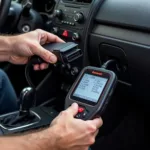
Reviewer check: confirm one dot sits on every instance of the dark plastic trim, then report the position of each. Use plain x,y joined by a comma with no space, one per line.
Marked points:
129,13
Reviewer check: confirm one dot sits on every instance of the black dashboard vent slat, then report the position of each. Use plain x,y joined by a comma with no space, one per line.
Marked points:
79,1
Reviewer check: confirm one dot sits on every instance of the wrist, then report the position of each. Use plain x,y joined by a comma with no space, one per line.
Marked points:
43,140
6,42
5,48
13,40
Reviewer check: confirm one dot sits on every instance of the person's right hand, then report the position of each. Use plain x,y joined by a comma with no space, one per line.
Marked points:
74,134
26,45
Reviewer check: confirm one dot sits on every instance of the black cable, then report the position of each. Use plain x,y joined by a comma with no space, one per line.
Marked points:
34,60
47,102
30,65
111,61
107,63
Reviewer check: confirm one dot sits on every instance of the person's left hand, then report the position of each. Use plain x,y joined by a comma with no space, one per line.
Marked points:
26,45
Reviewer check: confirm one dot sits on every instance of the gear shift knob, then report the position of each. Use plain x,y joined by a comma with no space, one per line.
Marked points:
24,116
27,99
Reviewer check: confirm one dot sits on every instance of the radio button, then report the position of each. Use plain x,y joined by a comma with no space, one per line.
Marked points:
72,24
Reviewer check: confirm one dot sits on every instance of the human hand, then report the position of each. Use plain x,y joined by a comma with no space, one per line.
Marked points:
26,45
74,134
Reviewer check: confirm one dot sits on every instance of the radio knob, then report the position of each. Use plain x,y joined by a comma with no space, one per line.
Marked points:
75,36
79,17
58,13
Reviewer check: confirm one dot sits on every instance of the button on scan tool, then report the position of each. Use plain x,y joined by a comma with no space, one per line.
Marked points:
82,112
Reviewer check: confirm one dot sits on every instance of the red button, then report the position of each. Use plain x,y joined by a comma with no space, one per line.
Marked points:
80,110
65,33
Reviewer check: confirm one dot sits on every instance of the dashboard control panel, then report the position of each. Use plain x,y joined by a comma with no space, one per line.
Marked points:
70,17
67,34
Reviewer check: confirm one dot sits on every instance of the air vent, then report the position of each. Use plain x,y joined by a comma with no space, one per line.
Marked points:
84,1
78,1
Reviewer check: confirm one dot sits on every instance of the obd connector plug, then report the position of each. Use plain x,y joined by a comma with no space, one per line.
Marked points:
65,52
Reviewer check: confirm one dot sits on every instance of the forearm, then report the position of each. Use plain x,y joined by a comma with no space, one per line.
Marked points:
34,141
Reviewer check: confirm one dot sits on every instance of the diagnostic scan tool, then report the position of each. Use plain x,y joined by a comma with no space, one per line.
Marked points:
92,91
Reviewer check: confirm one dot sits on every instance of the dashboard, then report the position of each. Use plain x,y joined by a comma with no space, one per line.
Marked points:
110,29
105,29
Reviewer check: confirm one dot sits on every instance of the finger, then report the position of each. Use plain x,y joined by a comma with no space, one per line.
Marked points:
43,66
36,67
49,37
96,133
73,109
45,54
98,122
53,38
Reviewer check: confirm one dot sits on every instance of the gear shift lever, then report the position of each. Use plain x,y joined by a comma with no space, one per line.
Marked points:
27,100
24,116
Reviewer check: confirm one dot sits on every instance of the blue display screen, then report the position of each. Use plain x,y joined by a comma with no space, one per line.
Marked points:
90,87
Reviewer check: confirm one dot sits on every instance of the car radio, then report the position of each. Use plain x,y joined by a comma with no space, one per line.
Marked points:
71,17
92,91
71,14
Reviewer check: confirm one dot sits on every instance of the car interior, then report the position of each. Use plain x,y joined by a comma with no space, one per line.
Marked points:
103,30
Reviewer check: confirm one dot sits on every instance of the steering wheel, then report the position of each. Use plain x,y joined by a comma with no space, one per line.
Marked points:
4,9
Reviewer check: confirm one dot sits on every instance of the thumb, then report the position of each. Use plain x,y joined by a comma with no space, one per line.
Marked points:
45,54
73,109
97,122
